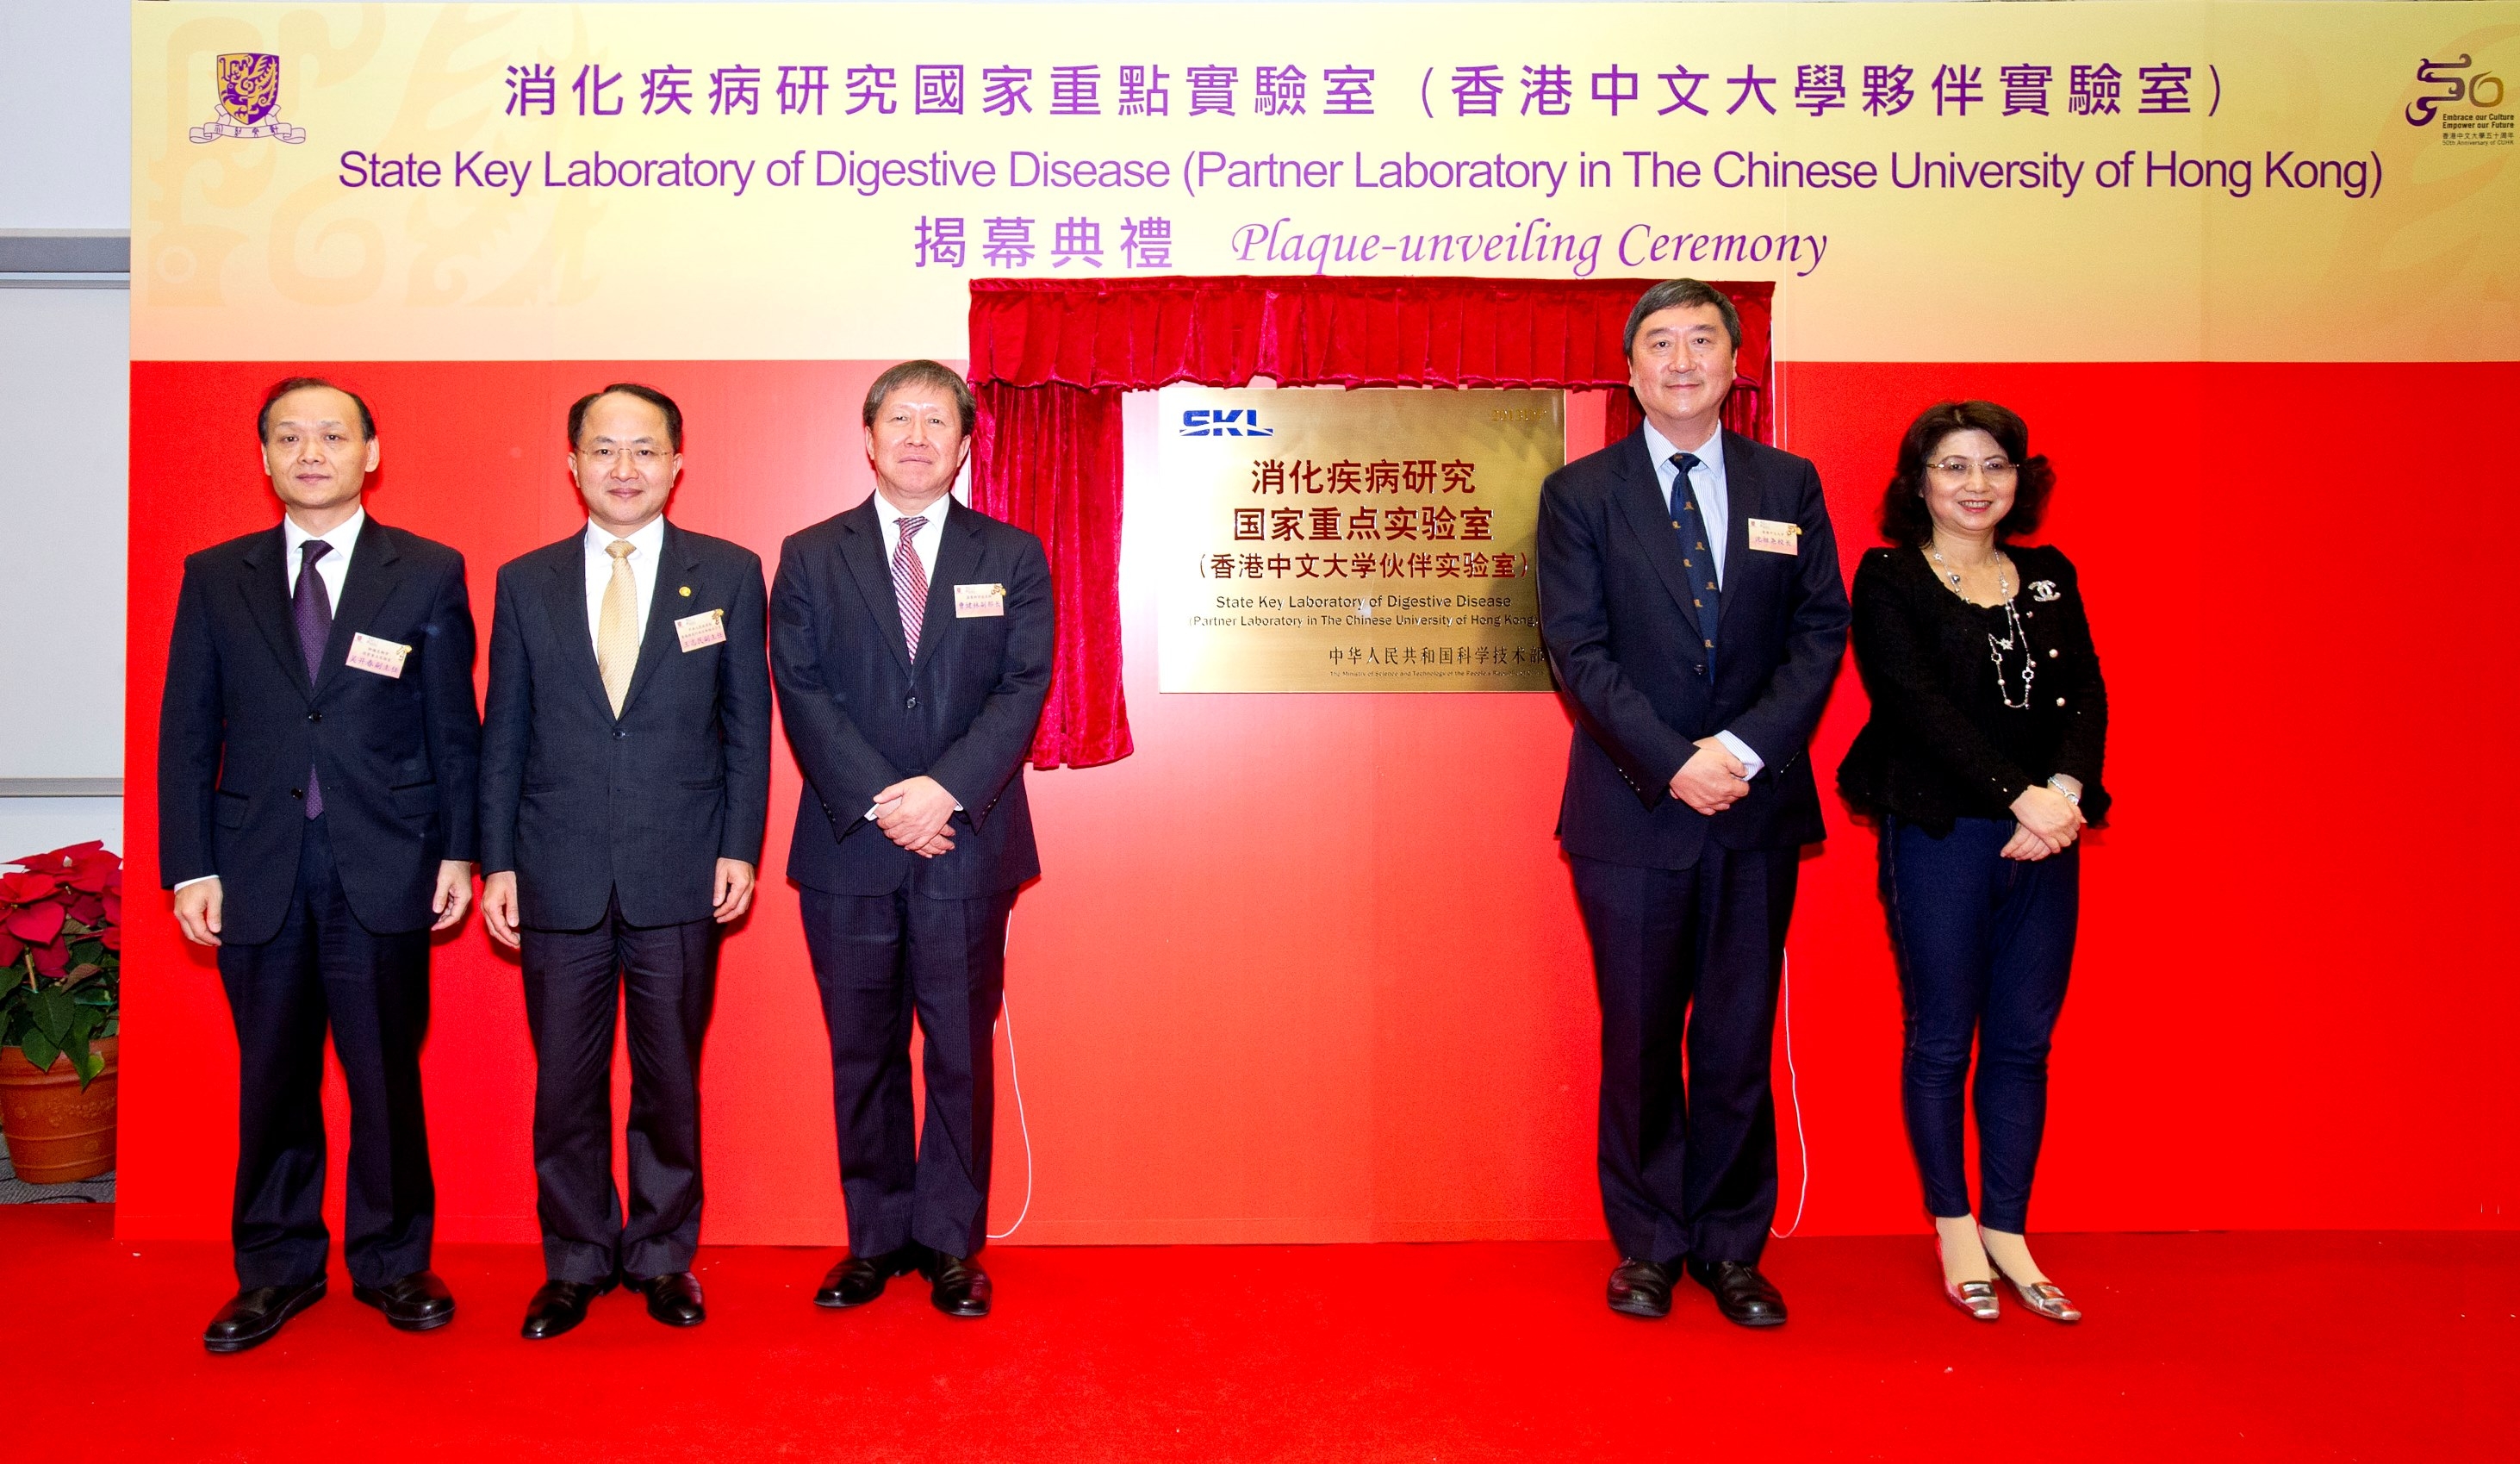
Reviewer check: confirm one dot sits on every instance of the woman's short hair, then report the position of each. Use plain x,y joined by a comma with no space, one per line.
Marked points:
930,375
1905,519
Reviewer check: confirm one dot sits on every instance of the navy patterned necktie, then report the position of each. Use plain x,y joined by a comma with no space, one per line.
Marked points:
1691,523
312,610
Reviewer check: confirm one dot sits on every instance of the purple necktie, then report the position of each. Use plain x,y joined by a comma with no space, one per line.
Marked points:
312,610
910,583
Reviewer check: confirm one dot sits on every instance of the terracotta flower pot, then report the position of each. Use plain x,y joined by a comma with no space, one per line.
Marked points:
57,1133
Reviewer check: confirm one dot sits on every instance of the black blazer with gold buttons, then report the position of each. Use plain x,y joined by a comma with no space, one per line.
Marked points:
1945,741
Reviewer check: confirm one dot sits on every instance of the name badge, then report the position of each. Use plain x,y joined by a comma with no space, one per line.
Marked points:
384,658
979,600
707,629
1769,536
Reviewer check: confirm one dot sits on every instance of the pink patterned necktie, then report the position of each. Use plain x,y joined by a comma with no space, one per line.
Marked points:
910,583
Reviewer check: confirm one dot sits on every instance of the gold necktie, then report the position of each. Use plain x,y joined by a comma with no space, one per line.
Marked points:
616,633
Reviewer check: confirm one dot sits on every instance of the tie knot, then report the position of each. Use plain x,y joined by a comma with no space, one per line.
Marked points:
312,550
913,524
1683,461
621,548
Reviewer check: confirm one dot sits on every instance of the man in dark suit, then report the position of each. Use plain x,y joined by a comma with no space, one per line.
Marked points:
625,781
913,656
1694,613
316,755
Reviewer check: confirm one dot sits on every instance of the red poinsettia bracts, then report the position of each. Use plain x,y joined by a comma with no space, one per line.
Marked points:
61,954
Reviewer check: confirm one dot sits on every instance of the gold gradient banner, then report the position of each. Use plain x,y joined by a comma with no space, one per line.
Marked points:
1924,182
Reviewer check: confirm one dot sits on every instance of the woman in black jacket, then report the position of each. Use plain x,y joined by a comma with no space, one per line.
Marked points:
1981,765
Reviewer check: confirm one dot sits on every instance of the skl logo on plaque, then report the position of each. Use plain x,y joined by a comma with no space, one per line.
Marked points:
248,84
1362,541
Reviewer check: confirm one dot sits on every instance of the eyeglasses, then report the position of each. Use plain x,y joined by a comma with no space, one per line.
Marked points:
1997,470
604,457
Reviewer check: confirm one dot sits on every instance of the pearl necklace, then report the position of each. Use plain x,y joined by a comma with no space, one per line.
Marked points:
2015,633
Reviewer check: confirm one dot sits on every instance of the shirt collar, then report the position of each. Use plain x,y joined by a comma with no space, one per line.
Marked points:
1660,448
887,515
649,539
343,538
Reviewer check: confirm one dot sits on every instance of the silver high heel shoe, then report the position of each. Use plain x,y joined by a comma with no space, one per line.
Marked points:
2045,1298
1976,1297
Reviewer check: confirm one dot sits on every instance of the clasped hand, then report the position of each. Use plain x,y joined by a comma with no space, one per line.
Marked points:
914,814
2045,822
1712,780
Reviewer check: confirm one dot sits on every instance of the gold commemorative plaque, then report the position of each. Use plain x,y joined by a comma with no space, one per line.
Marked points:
1378,539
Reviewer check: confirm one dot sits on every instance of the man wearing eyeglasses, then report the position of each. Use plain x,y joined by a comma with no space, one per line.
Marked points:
625,781
1690,601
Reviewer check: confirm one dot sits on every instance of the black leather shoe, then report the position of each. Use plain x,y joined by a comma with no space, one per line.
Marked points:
417,1302
955,1284
673,1299
560,1306
1640,1288
1744,1297
860,1279
253,1315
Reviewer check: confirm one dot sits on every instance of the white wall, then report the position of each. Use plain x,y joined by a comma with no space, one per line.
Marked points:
64,394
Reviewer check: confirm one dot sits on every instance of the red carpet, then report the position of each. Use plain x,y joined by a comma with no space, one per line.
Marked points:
2229,1346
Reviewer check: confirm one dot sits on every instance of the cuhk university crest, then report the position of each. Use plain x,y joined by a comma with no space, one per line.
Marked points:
248,96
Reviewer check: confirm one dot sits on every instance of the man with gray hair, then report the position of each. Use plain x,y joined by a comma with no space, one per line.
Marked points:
912,654
1693,614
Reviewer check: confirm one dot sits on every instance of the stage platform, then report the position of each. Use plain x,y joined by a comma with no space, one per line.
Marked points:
2223,1346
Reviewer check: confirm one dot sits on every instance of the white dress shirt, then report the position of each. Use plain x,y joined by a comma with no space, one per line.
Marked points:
333,569
924,543
646,546
332,572
1714,505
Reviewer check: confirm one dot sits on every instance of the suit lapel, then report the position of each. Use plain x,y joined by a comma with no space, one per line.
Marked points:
565,605
267,596
861,547
675,564
364,590
1744,496
1640,501
957,560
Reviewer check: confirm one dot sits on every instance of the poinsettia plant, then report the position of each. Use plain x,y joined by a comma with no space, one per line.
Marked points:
61,955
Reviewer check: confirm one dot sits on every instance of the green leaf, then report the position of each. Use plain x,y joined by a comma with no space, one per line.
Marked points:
84,1025
53,1011
40,1050
88,1064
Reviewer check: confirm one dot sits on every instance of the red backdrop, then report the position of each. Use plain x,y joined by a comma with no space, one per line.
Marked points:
1307,967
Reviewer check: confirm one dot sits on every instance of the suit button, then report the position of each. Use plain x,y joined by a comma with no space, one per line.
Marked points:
619,736
297,793
1701,670
314,717
910,704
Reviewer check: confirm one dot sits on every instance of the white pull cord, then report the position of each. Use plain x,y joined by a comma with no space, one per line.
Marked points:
1007,1020
1793,1092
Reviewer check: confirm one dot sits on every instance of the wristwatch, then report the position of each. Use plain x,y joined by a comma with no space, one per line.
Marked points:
2057,784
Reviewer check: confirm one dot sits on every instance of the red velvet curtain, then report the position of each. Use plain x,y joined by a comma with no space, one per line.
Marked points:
1050,359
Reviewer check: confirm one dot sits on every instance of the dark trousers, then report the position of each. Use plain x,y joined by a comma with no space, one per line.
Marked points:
879,960
324,969
1984,945
1688,959
664,978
